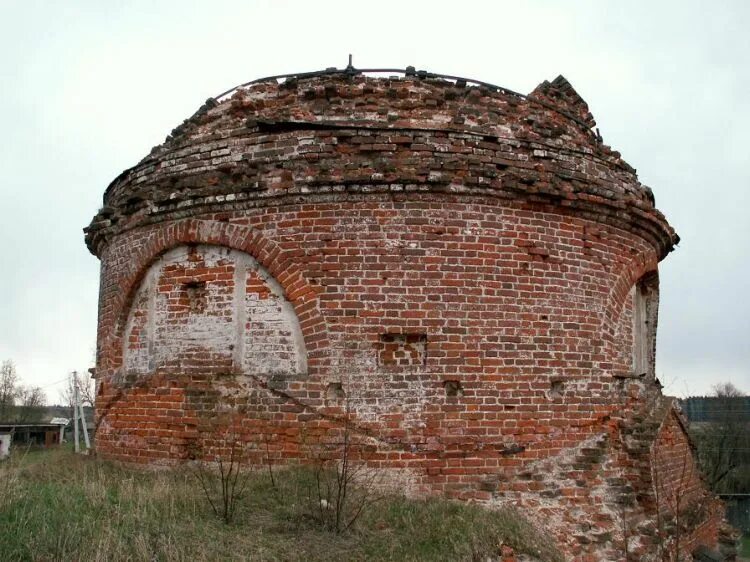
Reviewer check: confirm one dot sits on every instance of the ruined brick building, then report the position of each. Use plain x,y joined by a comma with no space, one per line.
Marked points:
464,275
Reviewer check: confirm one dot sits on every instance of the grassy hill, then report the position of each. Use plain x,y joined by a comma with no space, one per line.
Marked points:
55,505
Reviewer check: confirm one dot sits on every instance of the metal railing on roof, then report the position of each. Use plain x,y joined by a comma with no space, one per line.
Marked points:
352,71
409,71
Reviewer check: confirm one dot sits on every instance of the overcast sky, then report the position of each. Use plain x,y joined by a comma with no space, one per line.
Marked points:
87,88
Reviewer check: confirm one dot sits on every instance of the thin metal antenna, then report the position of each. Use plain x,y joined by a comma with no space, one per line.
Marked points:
350,70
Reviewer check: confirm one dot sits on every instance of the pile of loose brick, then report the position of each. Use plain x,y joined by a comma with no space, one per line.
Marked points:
445,272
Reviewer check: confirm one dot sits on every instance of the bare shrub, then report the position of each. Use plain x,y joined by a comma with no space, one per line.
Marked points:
269,460
223,480
344,485
679,506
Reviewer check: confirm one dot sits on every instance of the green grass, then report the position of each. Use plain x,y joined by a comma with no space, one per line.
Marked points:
55,505
745,546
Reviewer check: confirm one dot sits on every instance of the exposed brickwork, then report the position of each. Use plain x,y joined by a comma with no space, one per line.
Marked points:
689,515
454,269
402,350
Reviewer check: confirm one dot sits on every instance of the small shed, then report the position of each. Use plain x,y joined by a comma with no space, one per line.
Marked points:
34,434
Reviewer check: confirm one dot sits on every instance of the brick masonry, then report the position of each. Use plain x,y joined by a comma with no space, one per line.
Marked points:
466,276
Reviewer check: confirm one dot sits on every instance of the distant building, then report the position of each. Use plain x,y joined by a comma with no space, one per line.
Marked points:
30,434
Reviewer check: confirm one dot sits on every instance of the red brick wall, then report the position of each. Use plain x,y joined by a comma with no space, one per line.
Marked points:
449,270
688,515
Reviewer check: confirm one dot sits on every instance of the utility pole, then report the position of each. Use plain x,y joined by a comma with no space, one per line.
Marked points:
83,423
78,414
75,411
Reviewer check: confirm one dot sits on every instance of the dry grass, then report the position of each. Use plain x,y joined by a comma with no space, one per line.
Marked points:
55,505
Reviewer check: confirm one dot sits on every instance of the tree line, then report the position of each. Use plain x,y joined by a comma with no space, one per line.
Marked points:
19,403
723,442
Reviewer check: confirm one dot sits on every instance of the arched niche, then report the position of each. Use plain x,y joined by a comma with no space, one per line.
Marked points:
211,309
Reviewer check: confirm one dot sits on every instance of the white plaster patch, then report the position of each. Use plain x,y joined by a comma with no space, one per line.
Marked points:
212,309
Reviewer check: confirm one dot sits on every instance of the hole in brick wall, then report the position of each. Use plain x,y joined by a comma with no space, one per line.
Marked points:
453,388
402,350
511,449
197,295
556,389
335,392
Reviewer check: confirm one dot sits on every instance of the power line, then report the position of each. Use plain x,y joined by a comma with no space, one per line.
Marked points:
54,383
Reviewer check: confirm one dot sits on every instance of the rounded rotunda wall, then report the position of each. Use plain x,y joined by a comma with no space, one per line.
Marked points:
458,274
